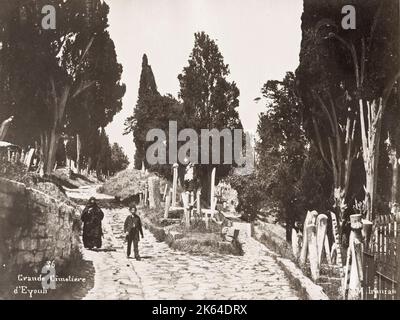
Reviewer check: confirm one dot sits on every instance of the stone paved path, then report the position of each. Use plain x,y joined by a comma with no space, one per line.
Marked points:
166,274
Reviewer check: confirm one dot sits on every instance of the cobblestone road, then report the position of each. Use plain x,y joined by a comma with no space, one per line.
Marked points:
164,273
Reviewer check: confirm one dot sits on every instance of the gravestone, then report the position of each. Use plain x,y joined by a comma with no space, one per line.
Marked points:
322,221
304,251
165,191
167,204
28,158
295,243
212,195
185,200
313,251
174,184
154,193
198,202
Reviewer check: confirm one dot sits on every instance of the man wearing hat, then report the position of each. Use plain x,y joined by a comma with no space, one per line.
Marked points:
132,228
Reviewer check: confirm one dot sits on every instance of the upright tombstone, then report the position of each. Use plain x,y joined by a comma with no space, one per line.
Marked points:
304,251
355,248
313,251
327,251
314,216
143,168
174,184
212,195
198,202
167,204
185,200
4,126
322,221
295,243
154,193
165,191
22,158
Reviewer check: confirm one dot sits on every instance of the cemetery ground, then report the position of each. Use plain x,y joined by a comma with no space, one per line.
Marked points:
175,264
165,273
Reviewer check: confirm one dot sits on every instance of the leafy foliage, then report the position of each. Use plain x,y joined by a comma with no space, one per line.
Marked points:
152,111
209,99
290,175
119,160
61,81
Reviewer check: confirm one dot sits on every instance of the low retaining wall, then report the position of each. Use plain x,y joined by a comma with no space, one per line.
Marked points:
34,228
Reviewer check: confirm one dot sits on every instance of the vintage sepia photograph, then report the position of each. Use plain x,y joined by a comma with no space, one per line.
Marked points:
199,150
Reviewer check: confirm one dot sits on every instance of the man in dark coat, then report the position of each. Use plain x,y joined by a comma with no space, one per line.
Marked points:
92,231
132,228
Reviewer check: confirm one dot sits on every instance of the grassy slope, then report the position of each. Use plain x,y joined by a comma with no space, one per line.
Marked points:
196,240
127,183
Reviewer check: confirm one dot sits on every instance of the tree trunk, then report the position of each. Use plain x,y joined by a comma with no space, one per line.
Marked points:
50,158
370,135
53,134
78,153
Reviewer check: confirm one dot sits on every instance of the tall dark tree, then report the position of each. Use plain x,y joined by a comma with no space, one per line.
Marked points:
96,107
48,69
152,111
142,119
103,165
210,101
282,146
119,160
357,66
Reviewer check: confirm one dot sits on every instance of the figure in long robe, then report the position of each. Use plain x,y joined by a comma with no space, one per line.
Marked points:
92,216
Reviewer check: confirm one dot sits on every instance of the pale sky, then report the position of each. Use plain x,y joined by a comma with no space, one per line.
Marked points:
259,39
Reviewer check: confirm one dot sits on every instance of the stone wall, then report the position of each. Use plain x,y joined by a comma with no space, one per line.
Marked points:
34,228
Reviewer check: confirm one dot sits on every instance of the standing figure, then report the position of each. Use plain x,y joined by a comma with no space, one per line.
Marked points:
92,231
189,177
132,228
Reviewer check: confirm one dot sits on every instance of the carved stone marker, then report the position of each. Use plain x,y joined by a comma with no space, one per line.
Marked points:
198,202
327,251
322,221
212,195
28,158
143,168
154,193
295,243
174,184
5,125
165,191
303,253
355,250
313,252
185,200
167,204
